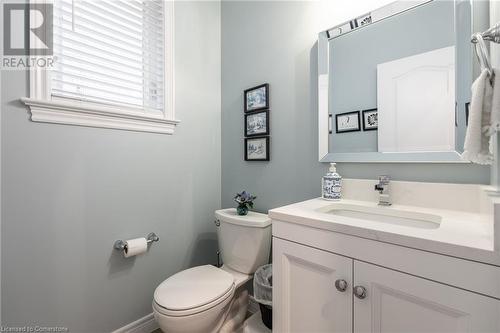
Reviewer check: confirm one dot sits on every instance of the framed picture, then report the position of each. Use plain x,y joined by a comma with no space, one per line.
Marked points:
364,20
257,149
257,98
370,120
347,122
257,123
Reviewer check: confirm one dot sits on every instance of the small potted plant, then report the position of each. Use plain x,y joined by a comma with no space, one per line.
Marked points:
245,202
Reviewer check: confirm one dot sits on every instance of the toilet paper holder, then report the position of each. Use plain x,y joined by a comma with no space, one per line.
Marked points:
120,245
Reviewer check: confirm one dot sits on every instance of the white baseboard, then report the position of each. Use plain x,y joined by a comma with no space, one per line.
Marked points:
146,324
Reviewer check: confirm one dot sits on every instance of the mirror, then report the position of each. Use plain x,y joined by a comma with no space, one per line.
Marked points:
394,84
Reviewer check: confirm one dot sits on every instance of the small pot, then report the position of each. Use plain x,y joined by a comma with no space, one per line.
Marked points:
242,210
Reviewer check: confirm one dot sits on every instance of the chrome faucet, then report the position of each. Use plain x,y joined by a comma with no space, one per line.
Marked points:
383,188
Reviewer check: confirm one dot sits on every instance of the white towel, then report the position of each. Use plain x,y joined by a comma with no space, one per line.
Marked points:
495,104
477,138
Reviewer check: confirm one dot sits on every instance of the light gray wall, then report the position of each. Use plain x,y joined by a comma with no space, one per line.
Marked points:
69,192
274,42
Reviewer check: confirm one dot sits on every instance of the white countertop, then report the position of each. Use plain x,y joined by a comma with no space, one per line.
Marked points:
467,234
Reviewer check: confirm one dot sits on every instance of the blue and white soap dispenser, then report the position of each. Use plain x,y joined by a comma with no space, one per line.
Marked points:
332,184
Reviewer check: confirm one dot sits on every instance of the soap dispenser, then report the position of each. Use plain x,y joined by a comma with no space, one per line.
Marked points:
332,184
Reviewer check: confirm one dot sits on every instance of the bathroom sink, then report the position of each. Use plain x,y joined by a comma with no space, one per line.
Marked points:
387,215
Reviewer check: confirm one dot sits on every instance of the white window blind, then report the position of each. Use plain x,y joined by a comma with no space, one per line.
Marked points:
110,52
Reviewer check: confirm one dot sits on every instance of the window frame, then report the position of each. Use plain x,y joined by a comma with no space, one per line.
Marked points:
47,109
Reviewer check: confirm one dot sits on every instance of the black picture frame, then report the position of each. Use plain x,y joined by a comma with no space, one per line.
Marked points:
250,114
467,108
365,128
267,155
249,90
337,116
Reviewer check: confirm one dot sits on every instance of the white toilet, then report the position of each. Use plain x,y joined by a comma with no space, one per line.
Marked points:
209,299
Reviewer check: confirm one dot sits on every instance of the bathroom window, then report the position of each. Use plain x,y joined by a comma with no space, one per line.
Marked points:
113,66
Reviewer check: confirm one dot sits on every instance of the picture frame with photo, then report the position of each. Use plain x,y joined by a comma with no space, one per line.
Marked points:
347,122
364,20
256,98
257,148
370,120
257,123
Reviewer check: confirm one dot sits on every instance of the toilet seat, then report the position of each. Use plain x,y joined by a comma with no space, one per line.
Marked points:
193,290
193,311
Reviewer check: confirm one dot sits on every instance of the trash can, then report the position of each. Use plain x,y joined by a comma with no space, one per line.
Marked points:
263,293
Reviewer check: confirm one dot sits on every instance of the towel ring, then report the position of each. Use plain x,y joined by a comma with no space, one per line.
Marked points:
482,54
492,35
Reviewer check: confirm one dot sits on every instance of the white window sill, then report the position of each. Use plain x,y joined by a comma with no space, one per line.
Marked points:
84,114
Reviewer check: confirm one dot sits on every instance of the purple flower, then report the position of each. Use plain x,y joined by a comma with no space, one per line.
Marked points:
244,198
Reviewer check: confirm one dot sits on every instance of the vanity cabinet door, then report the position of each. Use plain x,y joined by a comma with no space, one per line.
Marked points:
396,302
306,297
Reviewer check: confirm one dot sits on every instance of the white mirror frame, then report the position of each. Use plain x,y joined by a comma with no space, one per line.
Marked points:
325,121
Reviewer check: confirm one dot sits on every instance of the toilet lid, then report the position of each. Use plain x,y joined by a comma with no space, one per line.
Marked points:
193,287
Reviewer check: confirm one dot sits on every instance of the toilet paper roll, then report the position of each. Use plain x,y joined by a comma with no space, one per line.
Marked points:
135,246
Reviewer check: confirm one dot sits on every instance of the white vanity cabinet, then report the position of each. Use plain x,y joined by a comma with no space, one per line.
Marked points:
399,302
308,297
305,298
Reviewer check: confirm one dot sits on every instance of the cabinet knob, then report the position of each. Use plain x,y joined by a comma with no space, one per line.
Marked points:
360,292
341,285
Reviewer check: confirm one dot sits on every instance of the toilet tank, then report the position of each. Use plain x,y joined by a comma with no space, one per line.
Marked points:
244,241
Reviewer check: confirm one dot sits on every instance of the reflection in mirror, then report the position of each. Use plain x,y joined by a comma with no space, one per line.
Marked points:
404,72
